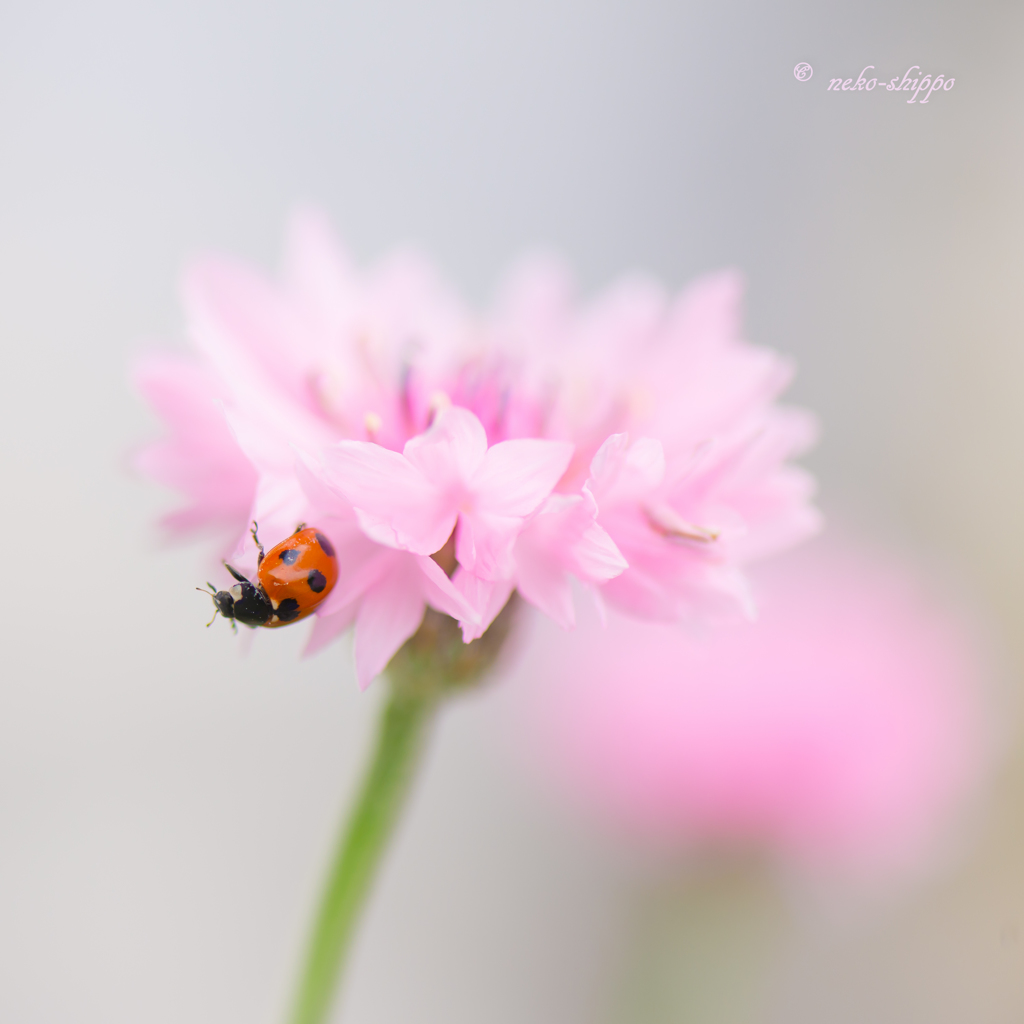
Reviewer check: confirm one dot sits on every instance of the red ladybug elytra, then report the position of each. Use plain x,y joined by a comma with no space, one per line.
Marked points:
292,578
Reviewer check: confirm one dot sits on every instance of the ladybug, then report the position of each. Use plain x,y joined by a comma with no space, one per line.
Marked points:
292,578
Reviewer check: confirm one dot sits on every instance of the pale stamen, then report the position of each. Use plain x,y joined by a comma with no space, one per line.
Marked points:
439,401
666,521
372,422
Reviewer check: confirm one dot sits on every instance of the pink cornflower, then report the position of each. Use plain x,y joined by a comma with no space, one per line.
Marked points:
844,726
633,445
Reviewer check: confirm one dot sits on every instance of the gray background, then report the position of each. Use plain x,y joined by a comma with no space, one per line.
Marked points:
165,806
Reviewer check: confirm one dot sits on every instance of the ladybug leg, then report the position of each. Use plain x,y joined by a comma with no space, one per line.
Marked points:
255,537
234,572
300,527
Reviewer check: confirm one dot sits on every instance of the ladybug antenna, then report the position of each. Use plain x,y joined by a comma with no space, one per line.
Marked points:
215,608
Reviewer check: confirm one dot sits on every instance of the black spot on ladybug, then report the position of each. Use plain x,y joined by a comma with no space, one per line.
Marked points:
290,556
325,544
316,580
288,609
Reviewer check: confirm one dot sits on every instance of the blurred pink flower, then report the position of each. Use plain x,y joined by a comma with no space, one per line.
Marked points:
845,725
634,445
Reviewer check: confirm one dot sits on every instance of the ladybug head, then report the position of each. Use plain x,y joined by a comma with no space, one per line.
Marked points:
224,603
243,603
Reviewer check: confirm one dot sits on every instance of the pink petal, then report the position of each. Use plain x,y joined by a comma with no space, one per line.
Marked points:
646,459
545,584
260,346
486,596
562,539
441,593
265,448
317,270
708,311
322,499
200,458
326,628
451,450
535,301
361,564
395,503
627,474
516,476
484,544
389,614
279,507
596,557
567,531
607,462
238,319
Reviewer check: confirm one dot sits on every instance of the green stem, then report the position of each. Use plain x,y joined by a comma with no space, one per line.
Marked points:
432,664
400,740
